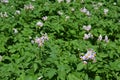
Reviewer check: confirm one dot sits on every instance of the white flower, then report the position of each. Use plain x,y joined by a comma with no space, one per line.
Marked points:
88,13
4,1
106,11
84,10
32,41
0,58
45,18
87,28
59,1
15,30
68,1
67,17
40,77
90,35
100,37
60,13
114,3
85,62
29,7
100,4
40,24
87,36
5,14
17,12
33,0
72,9
82,1
106,39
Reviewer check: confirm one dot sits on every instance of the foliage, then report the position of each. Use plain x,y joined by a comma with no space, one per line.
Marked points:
57,57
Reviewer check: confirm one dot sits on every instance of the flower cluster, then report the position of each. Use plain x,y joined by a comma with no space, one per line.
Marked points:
106,11
40,24
45,18
87,36
59,1
90,55
105,39
29,7
67,1
3,14
84,10
97,5
87,28
40,40
4,1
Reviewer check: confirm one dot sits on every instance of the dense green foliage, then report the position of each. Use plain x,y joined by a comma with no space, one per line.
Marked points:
58,57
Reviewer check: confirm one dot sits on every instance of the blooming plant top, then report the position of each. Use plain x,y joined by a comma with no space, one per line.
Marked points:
40,40
90,55
87,28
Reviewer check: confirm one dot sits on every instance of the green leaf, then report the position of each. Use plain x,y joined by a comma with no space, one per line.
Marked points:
73,76
35,66
86,77
97,77
80,66
51,73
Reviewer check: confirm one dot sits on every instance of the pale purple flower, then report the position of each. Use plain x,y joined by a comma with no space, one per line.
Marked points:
29,7
106,39
5,1
40,24
84,10
100,37
40,40
87,28
90,55
86,36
